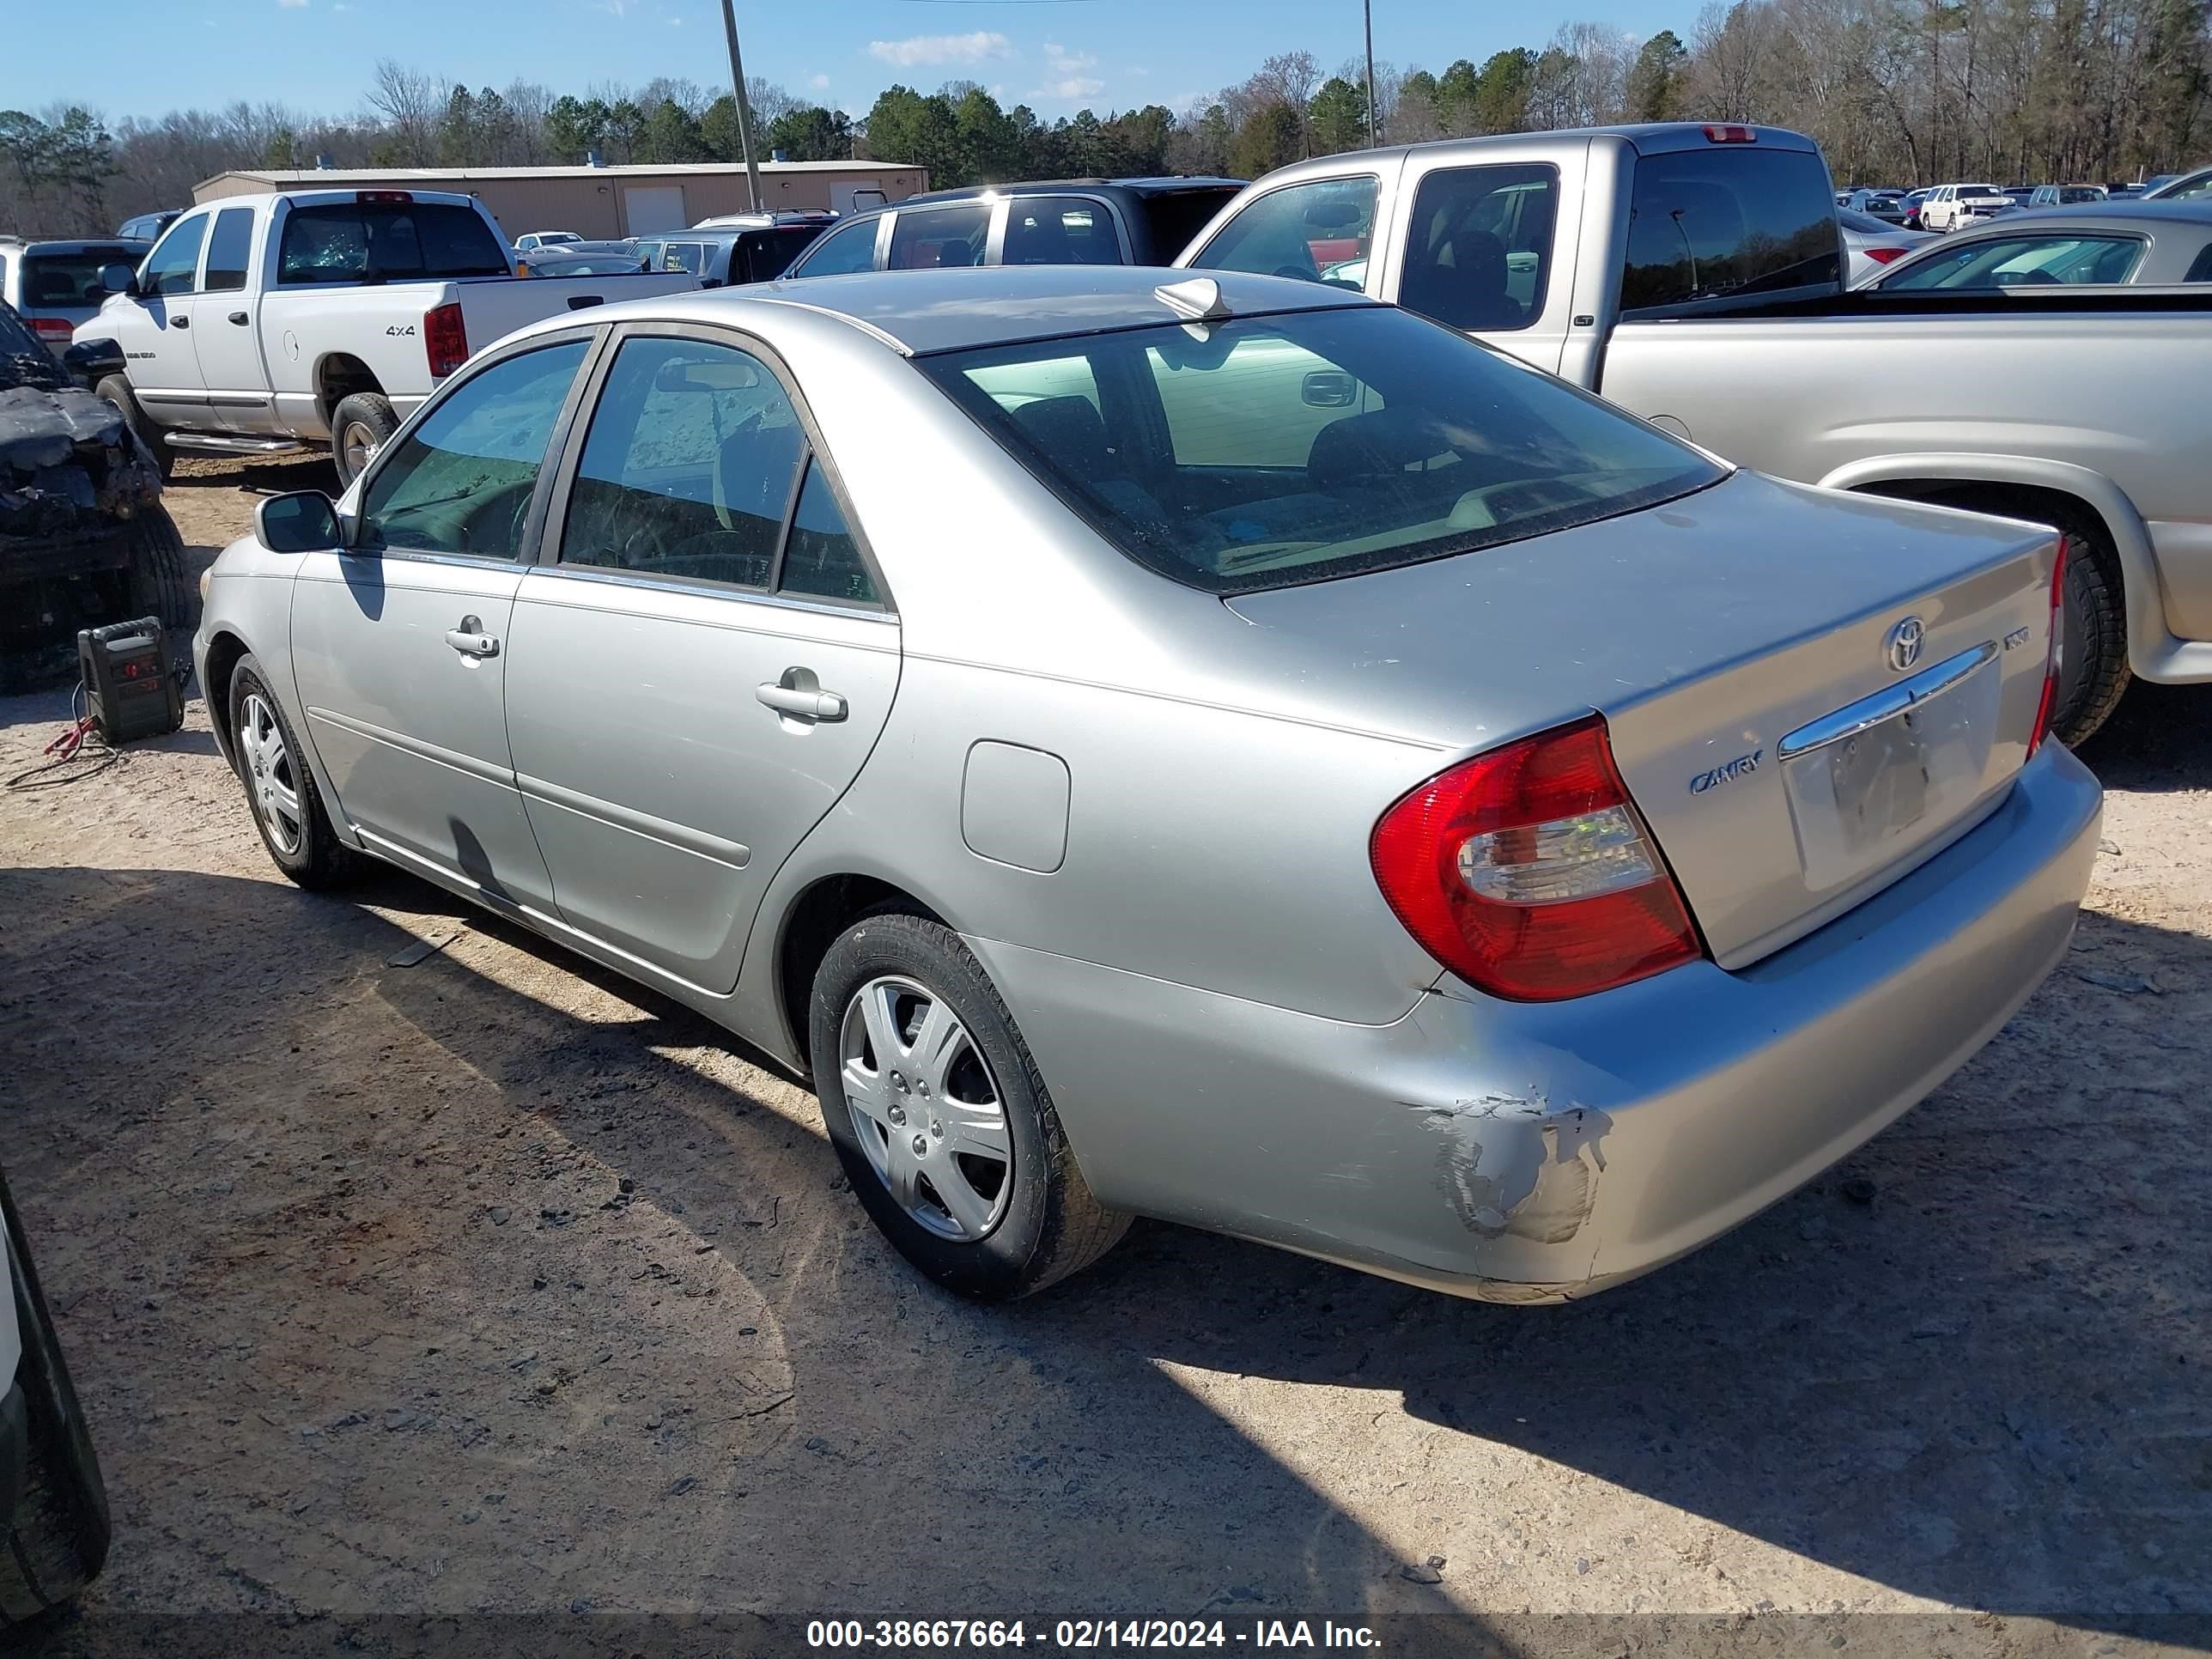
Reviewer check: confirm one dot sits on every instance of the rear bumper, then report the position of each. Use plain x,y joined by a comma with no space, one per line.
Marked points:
1532,1153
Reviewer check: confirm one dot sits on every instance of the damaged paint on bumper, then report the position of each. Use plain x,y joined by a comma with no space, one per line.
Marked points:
1522,1152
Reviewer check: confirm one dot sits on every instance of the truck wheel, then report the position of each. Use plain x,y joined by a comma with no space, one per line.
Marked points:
160,582
941,1118
2094,674
280,786
57,1539
117,391
360,426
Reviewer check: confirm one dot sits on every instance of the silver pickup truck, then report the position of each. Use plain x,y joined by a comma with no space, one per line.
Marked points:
1692,274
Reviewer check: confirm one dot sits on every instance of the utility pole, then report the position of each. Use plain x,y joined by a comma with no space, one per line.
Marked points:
1366,17
744,110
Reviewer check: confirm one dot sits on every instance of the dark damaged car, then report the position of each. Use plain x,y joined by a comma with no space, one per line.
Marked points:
84,539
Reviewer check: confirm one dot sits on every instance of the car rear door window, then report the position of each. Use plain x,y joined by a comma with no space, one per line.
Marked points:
228,249
1059,230
174,266
1725,221
930,238
2024,261
689,467
1321,231
1479,248
846,249
822,559
460,480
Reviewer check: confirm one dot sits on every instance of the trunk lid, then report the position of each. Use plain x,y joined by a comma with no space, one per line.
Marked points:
1748,647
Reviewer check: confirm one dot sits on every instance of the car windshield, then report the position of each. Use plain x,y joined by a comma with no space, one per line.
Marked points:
1268,451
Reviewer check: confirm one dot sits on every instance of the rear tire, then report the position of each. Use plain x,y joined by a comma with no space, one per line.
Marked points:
280,786
117,391
1040,1221
360,426
57,1540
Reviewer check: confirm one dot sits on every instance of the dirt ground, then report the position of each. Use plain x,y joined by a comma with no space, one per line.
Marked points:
478,1297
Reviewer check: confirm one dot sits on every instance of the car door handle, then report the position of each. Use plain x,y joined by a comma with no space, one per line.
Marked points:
180,322
802,700
471,640
239,318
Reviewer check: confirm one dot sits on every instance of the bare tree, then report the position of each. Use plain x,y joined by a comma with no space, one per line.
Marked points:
412,108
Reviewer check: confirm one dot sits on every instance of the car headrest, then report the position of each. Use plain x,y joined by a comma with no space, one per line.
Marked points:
1070,430
1382,443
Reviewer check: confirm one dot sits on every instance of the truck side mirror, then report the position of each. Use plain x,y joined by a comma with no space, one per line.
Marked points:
119,279
303,521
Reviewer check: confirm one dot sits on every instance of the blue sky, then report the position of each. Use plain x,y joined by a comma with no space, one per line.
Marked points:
1057,56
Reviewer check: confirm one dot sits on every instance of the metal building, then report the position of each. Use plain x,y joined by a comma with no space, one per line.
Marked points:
604,202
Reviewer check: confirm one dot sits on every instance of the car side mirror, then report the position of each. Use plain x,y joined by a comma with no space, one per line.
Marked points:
90,361
301,521
120,278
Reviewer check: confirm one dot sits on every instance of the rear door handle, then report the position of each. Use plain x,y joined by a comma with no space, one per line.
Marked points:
180,322
239,318
804,701
471,640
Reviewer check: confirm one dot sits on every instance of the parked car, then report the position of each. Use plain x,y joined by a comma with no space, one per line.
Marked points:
530,240
1947,207
2156,181
1083,222
2020,196
2048,196
736,249
977,853
2183,187
1912,203
55,285
1709,300
259,324
54,1528
1887,205
2150,243
620,262
147,226
1870,243
84,540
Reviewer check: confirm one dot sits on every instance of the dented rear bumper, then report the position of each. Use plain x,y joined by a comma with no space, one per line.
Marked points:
1535,1152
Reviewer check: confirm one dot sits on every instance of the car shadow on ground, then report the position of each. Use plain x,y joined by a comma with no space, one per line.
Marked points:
1967,1365
2158,738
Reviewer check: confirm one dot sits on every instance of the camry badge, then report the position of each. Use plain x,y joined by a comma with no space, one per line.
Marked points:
1741,766
1903,644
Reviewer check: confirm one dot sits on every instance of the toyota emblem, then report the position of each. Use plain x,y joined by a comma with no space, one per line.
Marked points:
1902,644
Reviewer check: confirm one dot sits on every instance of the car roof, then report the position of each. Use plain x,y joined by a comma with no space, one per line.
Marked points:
1166,185
921,312
2100,216
30,244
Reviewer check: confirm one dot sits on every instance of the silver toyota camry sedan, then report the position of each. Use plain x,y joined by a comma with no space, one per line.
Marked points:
1211,748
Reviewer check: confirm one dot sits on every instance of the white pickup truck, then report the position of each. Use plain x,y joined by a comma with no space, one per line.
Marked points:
1691,273
262,323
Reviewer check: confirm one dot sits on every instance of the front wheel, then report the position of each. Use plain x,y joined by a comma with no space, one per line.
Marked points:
117,391
360,426
161,582
280,786
941,1117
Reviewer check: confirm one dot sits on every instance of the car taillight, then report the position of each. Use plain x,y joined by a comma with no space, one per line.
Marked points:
1527,871
445,338
53,328
1882,256
2055,656
1730,133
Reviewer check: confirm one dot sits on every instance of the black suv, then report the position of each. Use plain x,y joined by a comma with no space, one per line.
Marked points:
1054,221
738,247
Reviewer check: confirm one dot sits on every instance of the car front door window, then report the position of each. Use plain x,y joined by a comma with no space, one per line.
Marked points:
1320,231
460,480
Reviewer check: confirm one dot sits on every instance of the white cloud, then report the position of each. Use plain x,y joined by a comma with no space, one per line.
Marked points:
1067,73
941,49
819,82
291,5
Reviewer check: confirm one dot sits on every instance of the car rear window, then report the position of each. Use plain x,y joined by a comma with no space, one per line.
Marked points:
1265,452
73,278
1725,222
394,241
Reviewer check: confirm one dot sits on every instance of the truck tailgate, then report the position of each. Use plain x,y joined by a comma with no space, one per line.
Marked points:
495,306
